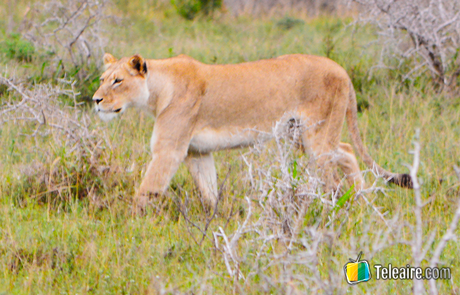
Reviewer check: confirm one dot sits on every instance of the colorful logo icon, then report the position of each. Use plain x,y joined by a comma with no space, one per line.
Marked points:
357,271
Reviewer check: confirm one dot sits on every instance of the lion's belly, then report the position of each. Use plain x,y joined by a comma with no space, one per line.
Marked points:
209,140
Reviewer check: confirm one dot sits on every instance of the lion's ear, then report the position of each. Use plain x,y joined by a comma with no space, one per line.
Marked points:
138,63
108,60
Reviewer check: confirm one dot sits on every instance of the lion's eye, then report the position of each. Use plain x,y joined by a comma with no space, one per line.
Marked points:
116,81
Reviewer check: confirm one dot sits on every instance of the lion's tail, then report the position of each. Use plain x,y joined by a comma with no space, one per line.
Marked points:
403,180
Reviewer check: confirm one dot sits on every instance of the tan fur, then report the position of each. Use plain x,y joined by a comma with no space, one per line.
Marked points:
203,108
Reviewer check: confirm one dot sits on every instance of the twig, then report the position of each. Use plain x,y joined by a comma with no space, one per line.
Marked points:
449,235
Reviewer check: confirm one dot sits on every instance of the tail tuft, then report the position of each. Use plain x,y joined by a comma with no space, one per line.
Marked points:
403,180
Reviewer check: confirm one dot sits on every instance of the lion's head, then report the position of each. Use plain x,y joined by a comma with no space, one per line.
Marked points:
123,83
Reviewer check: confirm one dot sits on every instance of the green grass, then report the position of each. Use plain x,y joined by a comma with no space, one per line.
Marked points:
71,241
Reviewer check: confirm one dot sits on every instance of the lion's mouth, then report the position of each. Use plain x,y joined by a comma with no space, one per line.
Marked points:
117,110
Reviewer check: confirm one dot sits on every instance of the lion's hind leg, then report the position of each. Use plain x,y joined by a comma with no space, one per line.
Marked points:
349,165
325,159
321,142
322,162
203,171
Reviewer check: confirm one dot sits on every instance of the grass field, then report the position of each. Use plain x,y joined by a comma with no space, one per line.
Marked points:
66,222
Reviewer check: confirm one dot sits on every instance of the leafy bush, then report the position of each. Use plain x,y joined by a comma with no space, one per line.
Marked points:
189,9
15,47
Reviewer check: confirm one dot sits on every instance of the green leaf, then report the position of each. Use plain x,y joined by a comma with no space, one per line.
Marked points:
344,198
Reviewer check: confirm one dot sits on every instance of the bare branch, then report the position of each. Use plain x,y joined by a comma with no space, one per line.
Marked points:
417,36
72,29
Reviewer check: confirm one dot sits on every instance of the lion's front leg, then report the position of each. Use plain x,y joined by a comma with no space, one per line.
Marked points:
170,141
169,146
165,161
159,172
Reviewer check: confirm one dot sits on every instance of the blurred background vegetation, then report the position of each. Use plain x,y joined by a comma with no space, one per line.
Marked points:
66,221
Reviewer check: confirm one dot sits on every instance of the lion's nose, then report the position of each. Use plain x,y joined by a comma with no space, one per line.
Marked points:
97,99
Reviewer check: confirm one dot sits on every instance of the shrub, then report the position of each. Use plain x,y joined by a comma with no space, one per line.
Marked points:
287,23
418,36
70,165
189,9
15,47
71,30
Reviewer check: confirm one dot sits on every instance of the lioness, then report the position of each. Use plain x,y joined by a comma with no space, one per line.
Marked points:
202,108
